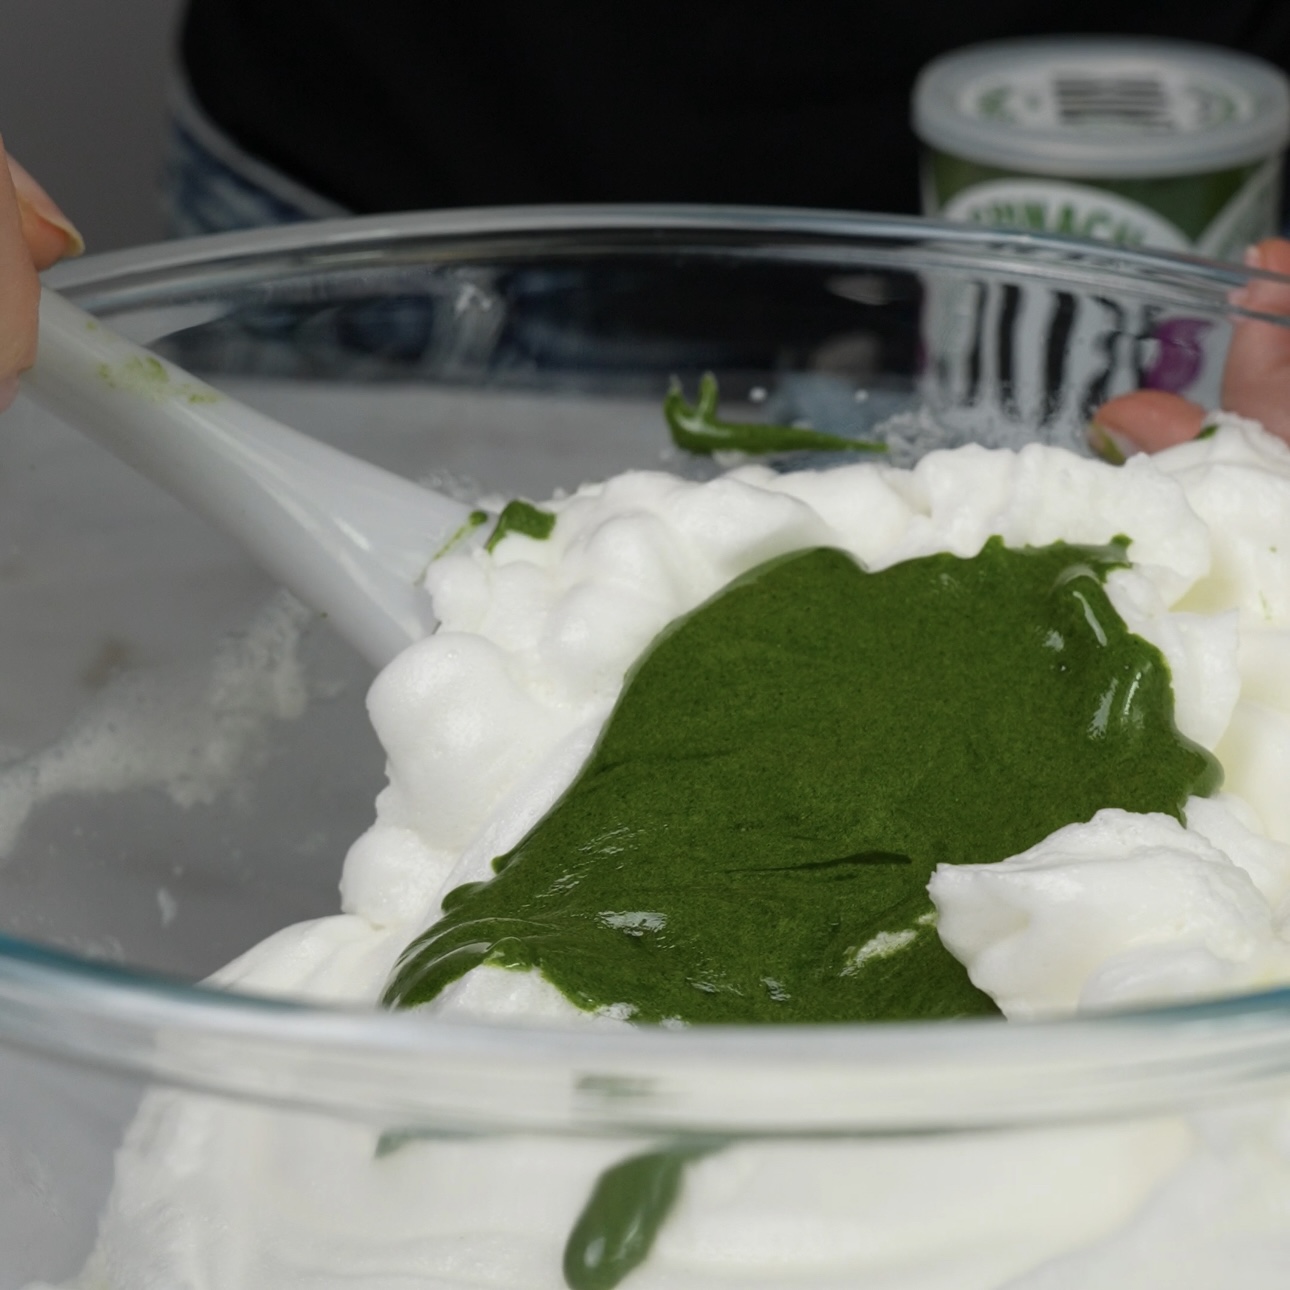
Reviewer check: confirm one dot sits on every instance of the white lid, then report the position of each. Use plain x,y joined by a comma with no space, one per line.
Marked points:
1102,107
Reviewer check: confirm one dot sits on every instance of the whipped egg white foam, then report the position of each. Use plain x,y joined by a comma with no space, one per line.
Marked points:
486,722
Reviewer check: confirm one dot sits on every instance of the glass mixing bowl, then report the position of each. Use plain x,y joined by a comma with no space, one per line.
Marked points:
187,758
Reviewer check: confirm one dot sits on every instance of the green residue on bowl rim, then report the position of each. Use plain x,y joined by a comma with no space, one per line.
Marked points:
697,428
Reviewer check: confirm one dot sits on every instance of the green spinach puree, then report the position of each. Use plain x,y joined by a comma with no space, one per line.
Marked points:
521,517
698,429
752,837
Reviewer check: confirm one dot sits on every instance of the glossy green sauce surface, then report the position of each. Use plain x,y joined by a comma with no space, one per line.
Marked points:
752,837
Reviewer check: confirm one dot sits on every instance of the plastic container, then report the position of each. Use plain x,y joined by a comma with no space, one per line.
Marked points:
189,757
1137,142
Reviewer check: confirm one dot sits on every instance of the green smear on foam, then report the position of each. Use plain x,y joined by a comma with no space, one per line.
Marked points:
752,837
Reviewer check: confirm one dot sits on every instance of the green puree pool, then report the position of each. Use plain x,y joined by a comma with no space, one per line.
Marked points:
752,837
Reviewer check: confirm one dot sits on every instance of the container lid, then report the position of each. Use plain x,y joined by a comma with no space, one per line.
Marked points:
1103,107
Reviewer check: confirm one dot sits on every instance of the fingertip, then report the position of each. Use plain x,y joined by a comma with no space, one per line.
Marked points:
1148,420
49,234
1258,359
19,285
1269,295
1272,255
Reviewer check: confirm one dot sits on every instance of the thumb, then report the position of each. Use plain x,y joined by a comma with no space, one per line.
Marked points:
1144,421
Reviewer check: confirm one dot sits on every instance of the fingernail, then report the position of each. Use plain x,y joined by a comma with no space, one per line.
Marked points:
1239,297
8,392
40,204
1109,444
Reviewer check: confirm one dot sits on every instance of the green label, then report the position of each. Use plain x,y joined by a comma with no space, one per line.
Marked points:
1217,213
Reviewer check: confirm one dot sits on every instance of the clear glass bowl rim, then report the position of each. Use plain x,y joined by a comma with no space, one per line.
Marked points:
767,1080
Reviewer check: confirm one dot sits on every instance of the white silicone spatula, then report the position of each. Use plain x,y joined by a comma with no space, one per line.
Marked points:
351,540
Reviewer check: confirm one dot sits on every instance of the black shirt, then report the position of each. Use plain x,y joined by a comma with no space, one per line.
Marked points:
405,104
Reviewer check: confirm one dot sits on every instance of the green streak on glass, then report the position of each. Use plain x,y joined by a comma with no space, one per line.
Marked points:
752,837
521,517
627,1207
697,429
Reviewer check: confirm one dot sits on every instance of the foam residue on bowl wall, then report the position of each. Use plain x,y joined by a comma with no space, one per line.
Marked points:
196,731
